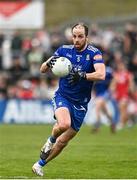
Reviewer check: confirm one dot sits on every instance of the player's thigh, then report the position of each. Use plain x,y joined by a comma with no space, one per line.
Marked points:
123,104
99,103
62,115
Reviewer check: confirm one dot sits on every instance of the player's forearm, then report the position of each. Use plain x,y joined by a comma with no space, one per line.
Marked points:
44,68
95,76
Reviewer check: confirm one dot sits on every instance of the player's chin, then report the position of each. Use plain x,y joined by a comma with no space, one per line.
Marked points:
78,46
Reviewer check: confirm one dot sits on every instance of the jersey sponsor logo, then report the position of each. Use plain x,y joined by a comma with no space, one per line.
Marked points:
88,57
76,67
97,57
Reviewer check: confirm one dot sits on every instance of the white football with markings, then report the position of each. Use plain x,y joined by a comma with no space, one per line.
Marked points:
61,67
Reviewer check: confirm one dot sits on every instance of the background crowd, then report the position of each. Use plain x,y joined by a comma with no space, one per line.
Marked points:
21,54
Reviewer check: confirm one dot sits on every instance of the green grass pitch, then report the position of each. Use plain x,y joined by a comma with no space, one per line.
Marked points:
103,155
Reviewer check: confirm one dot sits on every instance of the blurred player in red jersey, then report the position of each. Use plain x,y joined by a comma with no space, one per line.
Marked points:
123,86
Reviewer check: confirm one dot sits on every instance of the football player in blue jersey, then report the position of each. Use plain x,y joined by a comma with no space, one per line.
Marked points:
74,92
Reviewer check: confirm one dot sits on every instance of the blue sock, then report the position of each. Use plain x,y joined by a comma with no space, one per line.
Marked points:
52,139
42,162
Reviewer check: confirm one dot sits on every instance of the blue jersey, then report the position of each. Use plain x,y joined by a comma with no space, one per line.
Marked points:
84,61
101,87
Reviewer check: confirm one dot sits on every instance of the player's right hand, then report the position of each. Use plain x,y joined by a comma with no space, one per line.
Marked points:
51,61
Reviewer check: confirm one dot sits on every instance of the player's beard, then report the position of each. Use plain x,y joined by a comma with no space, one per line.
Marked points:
81,47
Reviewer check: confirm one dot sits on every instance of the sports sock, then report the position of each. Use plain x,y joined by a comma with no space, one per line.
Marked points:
42,162
52,139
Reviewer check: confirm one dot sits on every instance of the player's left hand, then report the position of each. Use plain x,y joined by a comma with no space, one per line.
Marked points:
75,76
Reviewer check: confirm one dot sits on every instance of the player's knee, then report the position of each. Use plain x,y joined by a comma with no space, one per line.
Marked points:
63,127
